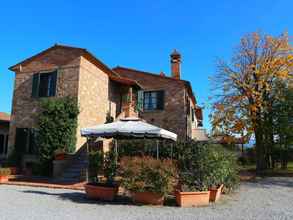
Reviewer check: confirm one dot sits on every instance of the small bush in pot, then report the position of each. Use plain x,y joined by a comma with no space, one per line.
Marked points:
104,187
59,154
13,162
148,179
223,168
203,168
4,173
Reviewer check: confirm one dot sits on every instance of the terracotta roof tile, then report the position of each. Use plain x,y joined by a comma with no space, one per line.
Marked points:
125,81
4,116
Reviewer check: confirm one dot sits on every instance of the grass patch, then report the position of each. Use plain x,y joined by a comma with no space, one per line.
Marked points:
270,172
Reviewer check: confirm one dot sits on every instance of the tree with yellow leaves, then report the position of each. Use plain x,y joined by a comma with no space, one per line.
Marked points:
245,89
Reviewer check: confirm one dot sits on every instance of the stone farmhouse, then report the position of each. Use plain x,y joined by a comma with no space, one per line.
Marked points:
165,101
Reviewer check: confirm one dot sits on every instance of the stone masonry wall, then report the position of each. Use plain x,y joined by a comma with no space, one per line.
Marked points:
93,98
25,108
173,117
190,124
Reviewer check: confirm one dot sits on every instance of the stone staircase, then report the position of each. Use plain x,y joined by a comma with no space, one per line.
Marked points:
76,170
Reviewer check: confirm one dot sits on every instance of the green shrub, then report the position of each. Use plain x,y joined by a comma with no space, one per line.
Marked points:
110,167
14,159
202,166
95,162
146,174
5,171
57,126
105,163
228,169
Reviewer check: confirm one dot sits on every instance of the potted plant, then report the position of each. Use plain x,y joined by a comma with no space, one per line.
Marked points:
59,154
204,169
4,174
148,179
224,171
194,176
215,192
13,162
191,193
104,187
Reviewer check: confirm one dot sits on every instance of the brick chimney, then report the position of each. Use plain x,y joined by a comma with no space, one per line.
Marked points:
175,64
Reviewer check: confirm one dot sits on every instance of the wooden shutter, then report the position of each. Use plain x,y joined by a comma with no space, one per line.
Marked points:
35,85
161,100
6,145
140,99
2,144
192,114
31,142
21,139
53,85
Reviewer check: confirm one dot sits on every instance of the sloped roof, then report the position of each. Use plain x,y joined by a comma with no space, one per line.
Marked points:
126,72
4,116
78,51
124,81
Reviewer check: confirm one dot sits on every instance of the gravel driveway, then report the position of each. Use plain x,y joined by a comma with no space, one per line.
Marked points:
270,198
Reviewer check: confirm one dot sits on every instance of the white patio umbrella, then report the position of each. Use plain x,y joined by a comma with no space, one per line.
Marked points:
128,127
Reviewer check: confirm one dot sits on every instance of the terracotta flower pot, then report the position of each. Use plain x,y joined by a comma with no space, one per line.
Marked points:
101,192
13,170
3,179
192,199
60,156
215,193
148,198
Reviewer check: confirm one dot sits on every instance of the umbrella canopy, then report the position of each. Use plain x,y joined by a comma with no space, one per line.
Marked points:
128,127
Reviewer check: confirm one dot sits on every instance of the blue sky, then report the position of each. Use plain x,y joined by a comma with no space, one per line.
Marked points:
138,34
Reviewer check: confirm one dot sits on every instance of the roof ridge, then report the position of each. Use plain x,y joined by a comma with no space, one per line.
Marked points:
43,52
68,46
149,73
84,52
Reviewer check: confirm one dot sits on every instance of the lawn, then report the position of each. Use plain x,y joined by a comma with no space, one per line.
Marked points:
270,172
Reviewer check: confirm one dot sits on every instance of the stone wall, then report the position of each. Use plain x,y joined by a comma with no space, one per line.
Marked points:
25,109
190,124
77,77
93,98
173,117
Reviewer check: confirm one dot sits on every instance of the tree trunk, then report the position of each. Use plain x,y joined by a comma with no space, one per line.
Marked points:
261,162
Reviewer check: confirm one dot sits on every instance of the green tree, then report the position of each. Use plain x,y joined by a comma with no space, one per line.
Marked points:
283,122
245,90
57,126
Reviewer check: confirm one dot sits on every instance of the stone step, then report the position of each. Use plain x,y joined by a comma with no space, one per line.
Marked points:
72,175
69,180
77,166
75,170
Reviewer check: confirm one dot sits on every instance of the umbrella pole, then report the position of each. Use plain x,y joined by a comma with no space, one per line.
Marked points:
171,151
116,151
157,149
